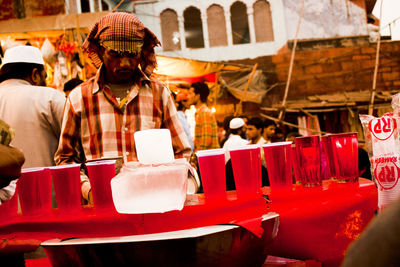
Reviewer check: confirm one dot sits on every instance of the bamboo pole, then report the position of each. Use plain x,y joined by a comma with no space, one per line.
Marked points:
239,107
291,62
378,46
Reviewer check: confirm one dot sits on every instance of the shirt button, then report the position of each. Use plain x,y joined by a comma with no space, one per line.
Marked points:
126,129
127,153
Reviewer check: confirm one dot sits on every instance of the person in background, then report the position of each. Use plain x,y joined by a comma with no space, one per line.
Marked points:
227,130
71,84
11,161
33,110
235,139
245,119
206,129
291,136
180,107
269,130
255,134
254,131
103,113
278,136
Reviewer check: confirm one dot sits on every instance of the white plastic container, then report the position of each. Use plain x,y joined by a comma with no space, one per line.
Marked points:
154,146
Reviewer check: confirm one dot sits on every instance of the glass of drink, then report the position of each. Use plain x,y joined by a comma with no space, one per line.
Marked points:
295,166
212,172
345,155
100,174
34,191
67,184
308,155
279,165
246,166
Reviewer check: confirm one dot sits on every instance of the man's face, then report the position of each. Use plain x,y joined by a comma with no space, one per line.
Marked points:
269,131
252,132
193,98
120,66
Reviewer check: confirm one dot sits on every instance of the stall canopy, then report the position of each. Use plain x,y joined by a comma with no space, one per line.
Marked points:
232,77
47,26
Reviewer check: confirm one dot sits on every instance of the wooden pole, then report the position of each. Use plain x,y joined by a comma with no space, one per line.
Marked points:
239,107
378,46
291,62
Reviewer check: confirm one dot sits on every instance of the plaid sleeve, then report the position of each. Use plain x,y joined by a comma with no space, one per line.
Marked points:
171,121
69,146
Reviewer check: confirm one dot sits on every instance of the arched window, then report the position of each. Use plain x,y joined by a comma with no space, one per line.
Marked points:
170,30
104,6
216,26
85,7
193,28
263,21
240,23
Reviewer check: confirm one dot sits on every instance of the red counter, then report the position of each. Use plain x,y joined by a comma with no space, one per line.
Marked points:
319,224
315,223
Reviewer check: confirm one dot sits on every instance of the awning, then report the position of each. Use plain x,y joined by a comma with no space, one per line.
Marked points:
48,26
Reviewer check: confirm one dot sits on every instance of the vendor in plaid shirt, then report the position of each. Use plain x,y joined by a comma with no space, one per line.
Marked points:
102,114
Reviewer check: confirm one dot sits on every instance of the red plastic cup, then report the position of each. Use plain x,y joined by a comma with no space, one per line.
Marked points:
67,184
345,154
100,174
326,148
34,191
296,165
279,165
9,209
246,166
308,155
212,172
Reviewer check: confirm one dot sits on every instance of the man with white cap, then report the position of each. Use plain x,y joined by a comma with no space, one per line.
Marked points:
33,110
234,140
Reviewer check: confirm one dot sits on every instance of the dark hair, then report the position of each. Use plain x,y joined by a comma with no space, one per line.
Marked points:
268,122
256,122
237,130
71,84
18,70
202,89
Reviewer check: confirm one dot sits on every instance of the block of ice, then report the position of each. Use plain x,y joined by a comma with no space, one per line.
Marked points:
142,188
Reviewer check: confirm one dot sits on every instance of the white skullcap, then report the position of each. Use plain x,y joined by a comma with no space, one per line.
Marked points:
236,123
23,54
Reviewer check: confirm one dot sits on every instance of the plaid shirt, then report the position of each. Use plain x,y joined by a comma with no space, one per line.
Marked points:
95,127
206,130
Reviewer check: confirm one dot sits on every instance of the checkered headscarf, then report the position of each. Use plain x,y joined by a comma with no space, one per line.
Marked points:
122,32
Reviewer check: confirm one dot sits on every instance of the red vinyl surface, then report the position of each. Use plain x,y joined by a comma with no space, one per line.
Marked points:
315,223
319,224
